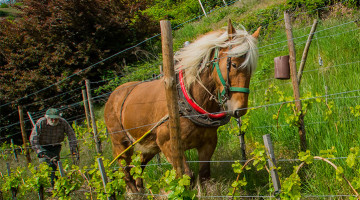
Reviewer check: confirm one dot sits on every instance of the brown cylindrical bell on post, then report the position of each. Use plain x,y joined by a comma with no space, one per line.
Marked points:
282,67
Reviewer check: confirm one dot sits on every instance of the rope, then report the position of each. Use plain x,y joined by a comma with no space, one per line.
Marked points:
166,117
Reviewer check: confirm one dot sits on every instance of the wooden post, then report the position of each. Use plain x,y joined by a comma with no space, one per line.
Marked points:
93,122
104,177
242,141
41,189
14,150
306,50
31,119
86,107
23,133
61,169
202,7
171,97
8,169
294,80
272,163
41,192
13,190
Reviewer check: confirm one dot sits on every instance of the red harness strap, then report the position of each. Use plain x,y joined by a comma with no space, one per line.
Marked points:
193,104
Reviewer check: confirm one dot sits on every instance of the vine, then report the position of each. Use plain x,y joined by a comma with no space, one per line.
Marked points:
40,177
69,183
13,182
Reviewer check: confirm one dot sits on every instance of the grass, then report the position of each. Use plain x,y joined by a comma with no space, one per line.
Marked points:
337,42
338,45
9,12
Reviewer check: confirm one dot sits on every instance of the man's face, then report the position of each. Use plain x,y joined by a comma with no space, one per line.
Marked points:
52,121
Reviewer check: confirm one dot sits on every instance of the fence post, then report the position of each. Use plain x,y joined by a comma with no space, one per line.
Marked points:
306,50
272,163
171,97
104,177
31,119
41,189
294,81
12,147
241,140
23,133
93,121
13,190
86,107
61,169
202,7
41,192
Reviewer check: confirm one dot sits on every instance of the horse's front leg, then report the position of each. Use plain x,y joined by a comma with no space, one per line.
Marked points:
163,141
205,153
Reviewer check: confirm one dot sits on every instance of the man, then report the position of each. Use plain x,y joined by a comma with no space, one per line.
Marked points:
46,138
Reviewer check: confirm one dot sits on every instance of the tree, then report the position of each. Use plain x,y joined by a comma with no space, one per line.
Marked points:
53,39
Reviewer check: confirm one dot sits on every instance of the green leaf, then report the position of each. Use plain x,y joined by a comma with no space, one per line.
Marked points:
351,159
306,157
339,174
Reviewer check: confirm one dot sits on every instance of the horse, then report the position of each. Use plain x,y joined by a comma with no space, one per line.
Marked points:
213,77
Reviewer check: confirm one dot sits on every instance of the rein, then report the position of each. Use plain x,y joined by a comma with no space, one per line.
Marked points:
162,120
224,94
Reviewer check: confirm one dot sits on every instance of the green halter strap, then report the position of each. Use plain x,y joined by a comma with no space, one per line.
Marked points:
227,88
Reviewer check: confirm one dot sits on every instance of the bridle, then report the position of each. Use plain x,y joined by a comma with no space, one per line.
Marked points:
223,96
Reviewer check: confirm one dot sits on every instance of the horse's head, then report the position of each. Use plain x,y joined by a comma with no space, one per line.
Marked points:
233,57
236,62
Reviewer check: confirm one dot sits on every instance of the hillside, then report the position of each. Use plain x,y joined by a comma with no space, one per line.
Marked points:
329,87
329,94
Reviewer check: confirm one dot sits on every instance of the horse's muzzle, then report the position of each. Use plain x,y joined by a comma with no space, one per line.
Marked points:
238,113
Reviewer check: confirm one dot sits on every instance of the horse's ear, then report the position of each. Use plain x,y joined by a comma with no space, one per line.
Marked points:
256,33
231,30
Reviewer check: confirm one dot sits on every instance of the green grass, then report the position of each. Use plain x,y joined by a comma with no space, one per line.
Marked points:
9,12
337,46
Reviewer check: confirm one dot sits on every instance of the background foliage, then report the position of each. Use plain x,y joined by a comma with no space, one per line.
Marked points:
53,40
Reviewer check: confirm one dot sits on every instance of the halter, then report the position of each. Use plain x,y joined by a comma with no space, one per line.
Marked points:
224,94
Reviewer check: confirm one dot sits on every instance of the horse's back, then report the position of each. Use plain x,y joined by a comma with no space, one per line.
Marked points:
145,106
135,104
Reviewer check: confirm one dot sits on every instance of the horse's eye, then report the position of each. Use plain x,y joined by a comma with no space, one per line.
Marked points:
233,65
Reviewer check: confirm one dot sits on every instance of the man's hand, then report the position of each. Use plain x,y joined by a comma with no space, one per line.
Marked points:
75,155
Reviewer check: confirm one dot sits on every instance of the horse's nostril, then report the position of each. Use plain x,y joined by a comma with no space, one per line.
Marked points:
237,113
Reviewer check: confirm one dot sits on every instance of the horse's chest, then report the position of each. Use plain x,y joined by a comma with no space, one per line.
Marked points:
193,138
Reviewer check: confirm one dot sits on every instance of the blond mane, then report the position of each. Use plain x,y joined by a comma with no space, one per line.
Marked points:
194,57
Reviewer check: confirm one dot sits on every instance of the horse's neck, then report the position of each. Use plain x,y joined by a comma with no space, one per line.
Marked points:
203,97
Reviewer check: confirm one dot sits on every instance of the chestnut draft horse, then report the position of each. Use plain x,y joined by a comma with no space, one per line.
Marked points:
213,74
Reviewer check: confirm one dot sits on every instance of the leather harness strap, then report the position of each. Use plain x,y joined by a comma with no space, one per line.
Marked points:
224,94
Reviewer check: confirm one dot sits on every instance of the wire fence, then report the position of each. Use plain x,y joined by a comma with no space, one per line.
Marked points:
104,95
132,47
107,94
251,108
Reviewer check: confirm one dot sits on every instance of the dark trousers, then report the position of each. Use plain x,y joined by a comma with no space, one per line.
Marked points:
52,155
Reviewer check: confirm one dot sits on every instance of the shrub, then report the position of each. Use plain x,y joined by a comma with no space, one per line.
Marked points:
4,5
